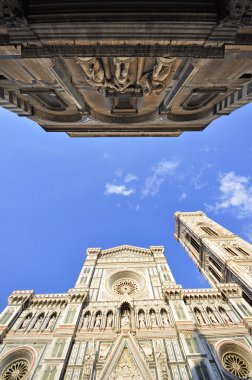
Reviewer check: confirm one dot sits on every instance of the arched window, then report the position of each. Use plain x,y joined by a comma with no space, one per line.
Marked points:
70,315
179,311
192,344
58,348
6,316
202,371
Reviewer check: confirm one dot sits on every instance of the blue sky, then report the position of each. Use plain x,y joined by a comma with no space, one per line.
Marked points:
60,195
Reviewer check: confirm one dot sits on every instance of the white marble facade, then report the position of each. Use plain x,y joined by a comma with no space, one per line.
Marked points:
126,318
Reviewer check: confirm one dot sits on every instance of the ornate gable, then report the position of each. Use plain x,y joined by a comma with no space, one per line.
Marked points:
121,363
126,251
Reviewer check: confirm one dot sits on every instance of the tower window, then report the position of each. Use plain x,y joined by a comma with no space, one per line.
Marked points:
209,231
193,242
229,250
241,250
215,264
217,277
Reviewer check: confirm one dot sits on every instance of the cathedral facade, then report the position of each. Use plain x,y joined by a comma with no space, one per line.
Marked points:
128,319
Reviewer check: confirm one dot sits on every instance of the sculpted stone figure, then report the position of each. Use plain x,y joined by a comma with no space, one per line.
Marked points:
38,322
225,315
94,72
89,361
161,73
110,320
98,321
142,320
212,316
51,322
104,351
122,80
86,321
147,348
199,316
153,318
26,322
125,318
164,318
159,77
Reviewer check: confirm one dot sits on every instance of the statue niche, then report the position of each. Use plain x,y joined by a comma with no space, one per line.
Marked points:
224,315
86,320
98,318
39,321
211,315
118,74
141,319
109,322
125,314
51,322
153,318
89,361
26,322
164,317
199,316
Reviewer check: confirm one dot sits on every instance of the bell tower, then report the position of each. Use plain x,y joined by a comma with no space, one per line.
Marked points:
219,254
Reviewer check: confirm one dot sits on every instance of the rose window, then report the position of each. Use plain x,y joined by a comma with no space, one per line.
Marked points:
16,370
125,286
236,365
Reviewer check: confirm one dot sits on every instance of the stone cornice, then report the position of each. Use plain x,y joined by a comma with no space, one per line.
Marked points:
129,248
173,292
200,295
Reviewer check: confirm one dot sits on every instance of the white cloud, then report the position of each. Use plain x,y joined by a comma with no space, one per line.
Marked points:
235,194
196,180
111,188
130,177
160,172
207,149
119,172
135,207
182,197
